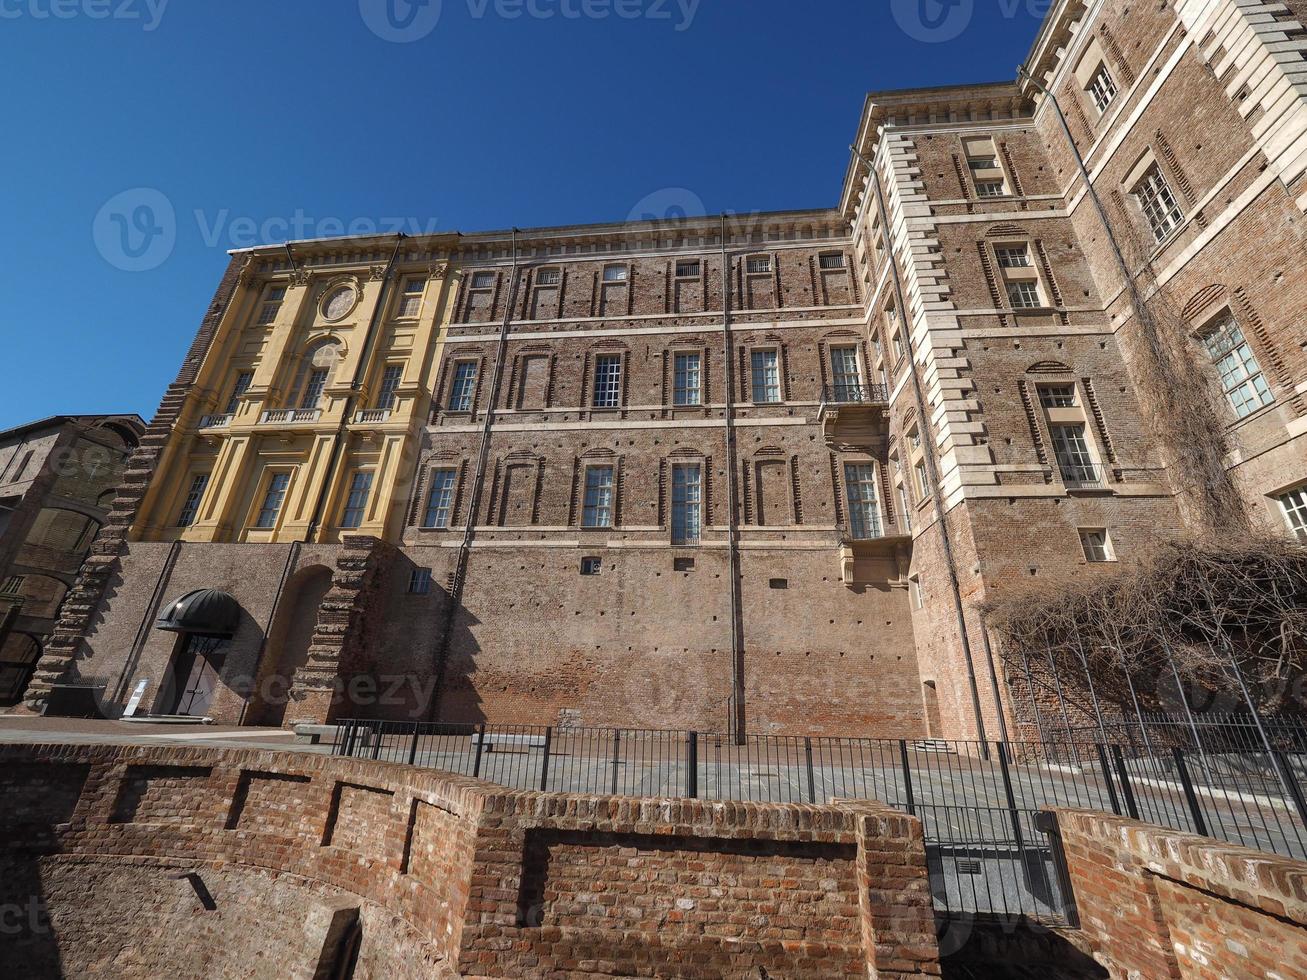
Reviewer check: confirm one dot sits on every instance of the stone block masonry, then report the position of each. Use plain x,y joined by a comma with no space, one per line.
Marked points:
263,864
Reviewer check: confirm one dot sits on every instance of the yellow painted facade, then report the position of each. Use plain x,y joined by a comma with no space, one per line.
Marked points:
307,411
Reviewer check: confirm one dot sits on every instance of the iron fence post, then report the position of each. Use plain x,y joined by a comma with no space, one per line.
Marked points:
346,739
1200,825
1132,811
692,765
907,778
544,761
1011,797
413,749
617,749
1107,778
812,781
375,729
1291,783
481,742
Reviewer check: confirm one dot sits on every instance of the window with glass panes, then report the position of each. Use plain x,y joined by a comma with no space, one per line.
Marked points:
905,505
757,263
191,505
598,507
846,374
549,277
389,382
687,498
1241,376
483,280
1023,294
1096,544
615,273
242,385
766,376
440,499
1159,204
687,388
922,479
1102,88
357,501
313,388
1294,507
419,581
1074,458
410,301
1013,256
1057,396
608,381
464,386
864,506
272,301
273,497
991,188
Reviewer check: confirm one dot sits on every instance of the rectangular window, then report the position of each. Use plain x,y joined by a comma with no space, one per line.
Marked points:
1159,204
918,594
687,270
191,505
1096,544
864,507
905,508
591,566
313,388
549,277
273,498
1102,88
766,376
410,303
389,382
440,499
12,586
615,273
419,581
831,260
464,386
983,163
687,497
688,382
1057,396
1241,376
1013,256
357,501
1023,295
757,263
1294,506
923,479
598,509
1074,458
608,381
483,280
242,385
991,188
846,374
272,300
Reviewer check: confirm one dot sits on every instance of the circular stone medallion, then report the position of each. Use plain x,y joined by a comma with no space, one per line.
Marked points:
339,302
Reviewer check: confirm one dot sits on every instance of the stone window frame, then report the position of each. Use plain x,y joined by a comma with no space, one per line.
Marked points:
1149,170
1222,320
1047,418
586,466
268,307
349,487
237,391
1090,67
977,150
1291,505
880,518
761,347
1096,545
826,346
454,466
1011,277
259,501
679,351
449,373
405,296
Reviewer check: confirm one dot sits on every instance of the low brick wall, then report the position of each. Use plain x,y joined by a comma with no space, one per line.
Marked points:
145,861
1158,903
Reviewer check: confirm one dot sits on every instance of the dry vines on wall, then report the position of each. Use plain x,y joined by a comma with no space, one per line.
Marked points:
1194,608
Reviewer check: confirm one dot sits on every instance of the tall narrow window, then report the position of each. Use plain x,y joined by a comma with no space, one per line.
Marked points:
846,374
905,507
598,510
419,581
687,388
1096,543
313,388
687,497
1158,204
357,501
1241,376
864,507
1293,505
410,302
271,304
440,499
464,386
1074,458
242,385
766,376
922,479
608,381
389,382
273,498
191,505
1102,88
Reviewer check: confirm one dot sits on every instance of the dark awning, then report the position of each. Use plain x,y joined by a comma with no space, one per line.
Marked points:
205,612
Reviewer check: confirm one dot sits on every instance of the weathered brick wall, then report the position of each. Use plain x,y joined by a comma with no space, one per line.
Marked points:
1159,903
250,861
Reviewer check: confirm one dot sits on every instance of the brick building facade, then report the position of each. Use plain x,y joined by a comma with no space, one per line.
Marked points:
755,473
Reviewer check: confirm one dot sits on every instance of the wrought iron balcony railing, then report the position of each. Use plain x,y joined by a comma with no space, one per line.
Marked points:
855,393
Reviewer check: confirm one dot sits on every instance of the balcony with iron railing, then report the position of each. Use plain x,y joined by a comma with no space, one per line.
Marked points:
871,551
853,413
1081,476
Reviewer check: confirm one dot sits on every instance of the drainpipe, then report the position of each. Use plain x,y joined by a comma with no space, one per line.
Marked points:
338,440
478,486
736,721
932,467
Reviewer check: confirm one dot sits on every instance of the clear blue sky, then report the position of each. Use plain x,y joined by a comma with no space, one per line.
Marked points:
246,117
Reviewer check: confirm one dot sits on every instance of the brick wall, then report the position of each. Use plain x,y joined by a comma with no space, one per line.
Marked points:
258,864
1159,903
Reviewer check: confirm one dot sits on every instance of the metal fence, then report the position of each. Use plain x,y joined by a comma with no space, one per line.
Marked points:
977,801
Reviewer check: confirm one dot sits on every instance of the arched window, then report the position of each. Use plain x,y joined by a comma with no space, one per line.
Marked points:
316,372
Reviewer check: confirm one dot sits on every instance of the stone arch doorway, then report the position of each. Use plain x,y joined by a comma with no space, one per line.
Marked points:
288,644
